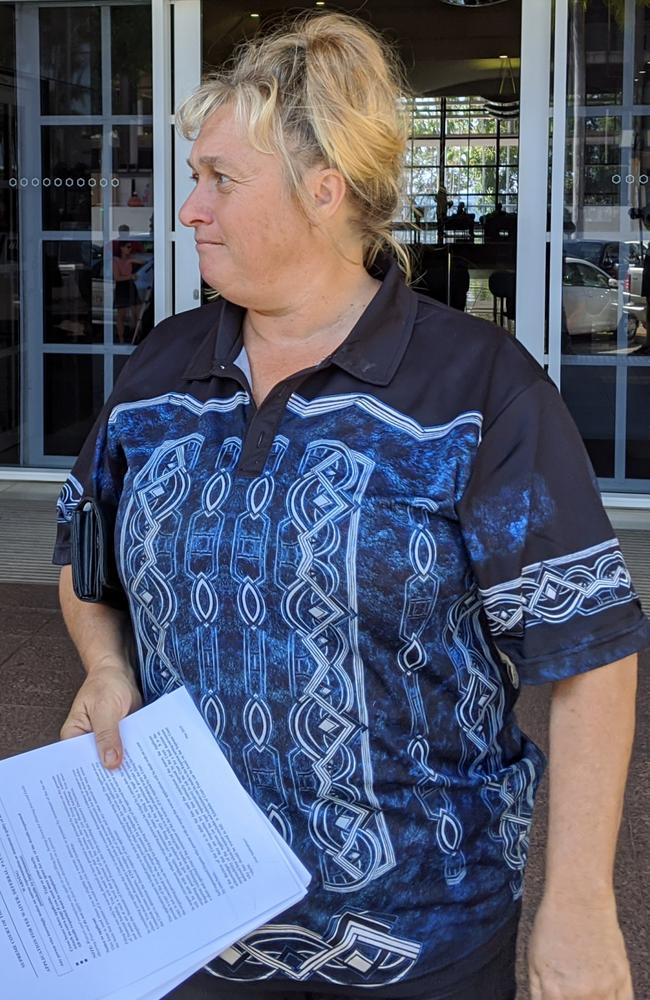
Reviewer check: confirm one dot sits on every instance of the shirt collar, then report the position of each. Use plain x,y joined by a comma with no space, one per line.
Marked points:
371,352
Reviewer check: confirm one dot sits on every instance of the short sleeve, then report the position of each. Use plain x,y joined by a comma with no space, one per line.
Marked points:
557,595
97,472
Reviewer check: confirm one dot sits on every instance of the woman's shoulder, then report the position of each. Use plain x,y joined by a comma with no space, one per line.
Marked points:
472,360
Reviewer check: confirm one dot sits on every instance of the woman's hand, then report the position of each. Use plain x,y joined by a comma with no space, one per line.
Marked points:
576,952
108,694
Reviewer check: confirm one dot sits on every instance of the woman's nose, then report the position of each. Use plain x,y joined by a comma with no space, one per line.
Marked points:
194,211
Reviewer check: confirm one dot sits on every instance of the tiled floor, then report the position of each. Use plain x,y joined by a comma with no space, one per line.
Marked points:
41,673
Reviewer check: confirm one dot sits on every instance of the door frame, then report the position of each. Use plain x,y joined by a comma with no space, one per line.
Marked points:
176,55
176,271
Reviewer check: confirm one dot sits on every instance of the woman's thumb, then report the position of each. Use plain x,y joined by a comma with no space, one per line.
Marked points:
107,734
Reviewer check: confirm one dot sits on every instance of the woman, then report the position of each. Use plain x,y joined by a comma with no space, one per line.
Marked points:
351,521
126,294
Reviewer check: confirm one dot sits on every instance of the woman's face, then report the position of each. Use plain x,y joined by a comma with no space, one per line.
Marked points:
251,236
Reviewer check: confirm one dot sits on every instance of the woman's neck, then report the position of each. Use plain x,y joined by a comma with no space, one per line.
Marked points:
317,318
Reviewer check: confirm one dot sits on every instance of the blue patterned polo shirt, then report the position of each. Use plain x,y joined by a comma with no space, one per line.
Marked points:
352,581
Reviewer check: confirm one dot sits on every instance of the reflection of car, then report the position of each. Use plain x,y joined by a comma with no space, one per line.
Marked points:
606,254
593,302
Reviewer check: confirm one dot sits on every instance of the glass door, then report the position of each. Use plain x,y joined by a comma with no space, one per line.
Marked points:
10,353
602,351
83,182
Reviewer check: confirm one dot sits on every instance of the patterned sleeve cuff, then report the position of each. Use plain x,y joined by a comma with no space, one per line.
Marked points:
555,591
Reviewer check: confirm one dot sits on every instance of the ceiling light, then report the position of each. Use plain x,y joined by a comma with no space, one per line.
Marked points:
255,15
320,3
503,57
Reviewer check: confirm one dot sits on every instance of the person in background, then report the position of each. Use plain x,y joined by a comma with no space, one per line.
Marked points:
353,522
441,210
126,299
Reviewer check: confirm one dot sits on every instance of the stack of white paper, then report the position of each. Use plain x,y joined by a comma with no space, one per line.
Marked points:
121,884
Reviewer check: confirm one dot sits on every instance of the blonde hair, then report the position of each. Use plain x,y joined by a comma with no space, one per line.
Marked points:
324,89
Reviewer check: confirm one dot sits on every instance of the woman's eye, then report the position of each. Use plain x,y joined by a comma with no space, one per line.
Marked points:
222,180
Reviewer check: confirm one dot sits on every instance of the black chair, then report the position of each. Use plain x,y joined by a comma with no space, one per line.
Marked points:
502,287
499,228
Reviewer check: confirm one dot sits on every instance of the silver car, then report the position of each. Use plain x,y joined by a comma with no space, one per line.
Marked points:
594,303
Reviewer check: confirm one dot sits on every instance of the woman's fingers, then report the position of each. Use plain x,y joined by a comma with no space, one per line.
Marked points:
103,700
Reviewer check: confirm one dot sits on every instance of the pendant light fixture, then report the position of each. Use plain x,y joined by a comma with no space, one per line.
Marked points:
506,104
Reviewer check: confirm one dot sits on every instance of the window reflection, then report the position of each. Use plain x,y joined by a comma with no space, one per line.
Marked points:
606,261
132,193
73,392
131,60
73,292
131,275
72,167
637,444
607,194
590,394
70,55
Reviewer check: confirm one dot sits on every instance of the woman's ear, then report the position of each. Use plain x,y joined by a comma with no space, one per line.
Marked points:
327,190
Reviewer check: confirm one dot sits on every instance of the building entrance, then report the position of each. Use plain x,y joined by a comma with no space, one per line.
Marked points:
77,196
92,176
459,213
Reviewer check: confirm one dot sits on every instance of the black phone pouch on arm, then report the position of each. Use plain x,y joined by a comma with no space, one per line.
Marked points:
94,573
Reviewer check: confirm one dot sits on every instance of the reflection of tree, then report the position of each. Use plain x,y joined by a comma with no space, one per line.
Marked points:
70,40
580,156
131,54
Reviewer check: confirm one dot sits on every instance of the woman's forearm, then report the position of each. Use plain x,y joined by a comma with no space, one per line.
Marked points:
591,732
102,634
576,948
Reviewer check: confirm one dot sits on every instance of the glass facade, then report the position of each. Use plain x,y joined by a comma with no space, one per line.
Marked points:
605,340
77,200
77,151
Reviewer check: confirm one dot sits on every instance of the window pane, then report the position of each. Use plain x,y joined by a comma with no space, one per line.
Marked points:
131,60
70,53
73,296
597,27
590,393
73,395
132,276
637,445
133,171
509,154
72,176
